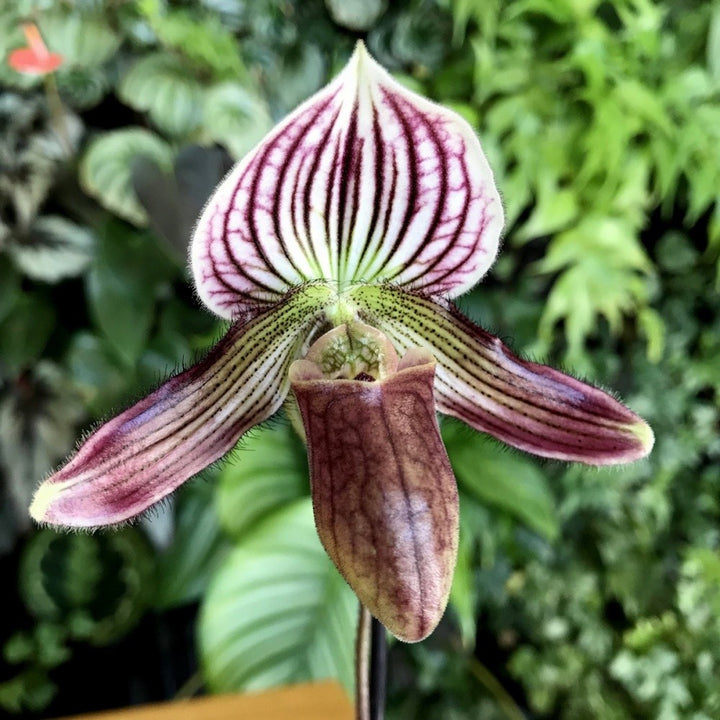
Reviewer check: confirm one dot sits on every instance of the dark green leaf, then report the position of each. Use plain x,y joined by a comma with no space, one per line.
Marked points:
499,477
121,286
25,331
9,287
122,311
97,585
98,372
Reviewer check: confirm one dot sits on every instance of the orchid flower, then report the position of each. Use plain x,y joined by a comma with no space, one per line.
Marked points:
334,249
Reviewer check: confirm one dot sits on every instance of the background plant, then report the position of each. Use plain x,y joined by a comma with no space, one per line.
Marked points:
579,593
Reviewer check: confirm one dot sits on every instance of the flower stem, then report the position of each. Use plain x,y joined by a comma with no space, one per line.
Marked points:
57,113
503,698
362,665
191,687
370,668
378,670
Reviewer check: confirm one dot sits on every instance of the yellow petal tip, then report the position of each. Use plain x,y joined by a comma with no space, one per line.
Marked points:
644,433
41,502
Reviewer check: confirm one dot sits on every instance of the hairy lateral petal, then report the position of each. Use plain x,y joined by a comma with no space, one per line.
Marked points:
194,418
384,494
478,380
366,181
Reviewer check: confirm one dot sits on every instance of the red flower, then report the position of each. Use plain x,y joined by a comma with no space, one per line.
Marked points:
35,59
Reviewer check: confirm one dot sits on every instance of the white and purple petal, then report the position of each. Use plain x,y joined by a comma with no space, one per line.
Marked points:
480,381
364,182
143,454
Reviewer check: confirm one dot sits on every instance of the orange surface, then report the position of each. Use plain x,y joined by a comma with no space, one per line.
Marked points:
318,701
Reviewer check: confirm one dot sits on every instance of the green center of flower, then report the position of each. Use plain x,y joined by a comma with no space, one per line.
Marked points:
350,351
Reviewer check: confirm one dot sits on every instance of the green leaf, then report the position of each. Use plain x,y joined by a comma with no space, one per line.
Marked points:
98,373
203,38
121,286
504,479
9,287
463,593
163,86
604,269
555,208
607,240
278,611
235,118
95,586
356,15
106,169
299,76
83,39
30,690
124,318
25,331
636,98
268,471
197,548
18,648
84,87
55,248
421,38
652,326
713,44
51,644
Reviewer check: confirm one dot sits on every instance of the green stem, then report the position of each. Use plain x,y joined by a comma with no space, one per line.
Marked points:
190,687
57,113
495,688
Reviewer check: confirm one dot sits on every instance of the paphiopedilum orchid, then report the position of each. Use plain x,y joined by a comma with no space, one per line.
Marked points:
335,248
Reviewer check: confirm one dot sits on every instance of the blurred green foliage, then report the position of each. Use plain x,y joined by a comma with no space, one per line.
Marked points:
579,592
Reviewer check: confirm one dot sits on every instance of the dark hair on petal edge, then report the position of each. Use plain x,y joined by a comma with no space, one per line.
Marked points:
275,422
163,505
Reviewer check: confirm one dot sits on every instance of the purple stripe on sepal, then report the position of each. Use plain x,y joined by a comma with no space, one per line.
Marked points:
478,380
143,454
364,182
